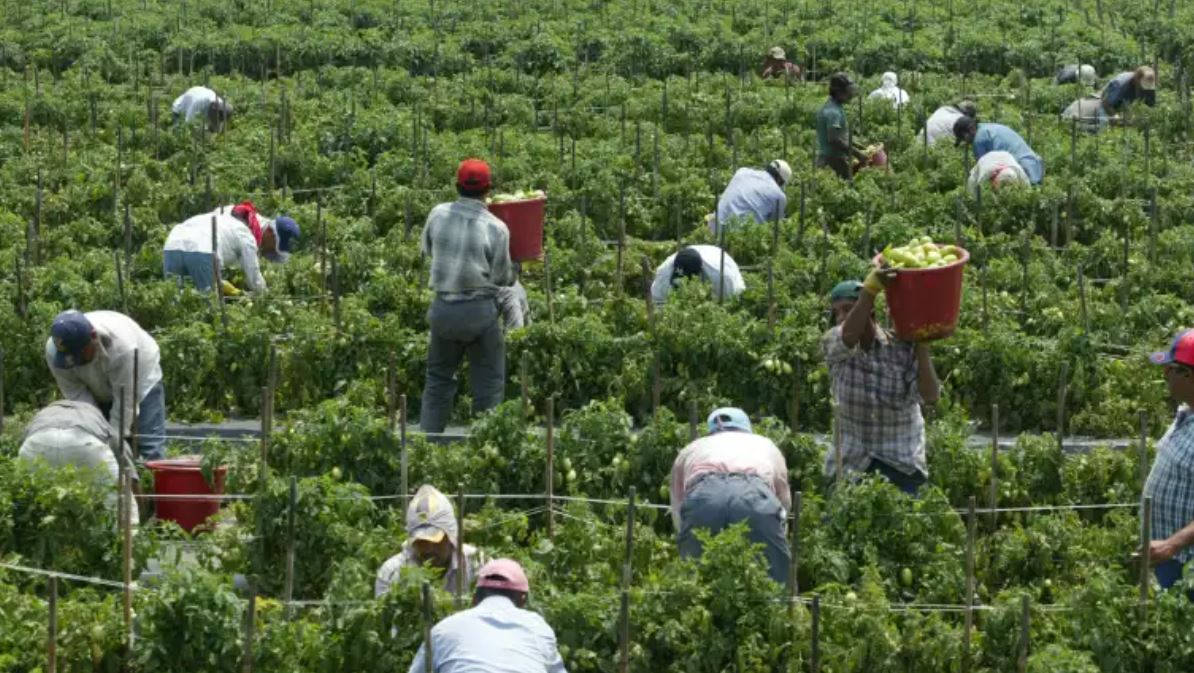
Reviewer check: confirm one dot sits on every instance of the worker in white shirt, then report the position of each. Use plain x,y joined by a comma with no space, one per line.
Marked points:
498,634
754,193
432,539
998,168
729,476
705,262
940,124
889,88
76,434
188,251
91,356
203,103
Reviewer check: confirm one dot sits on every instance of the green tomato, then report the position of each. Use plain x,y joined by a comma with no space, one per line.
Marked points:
906,577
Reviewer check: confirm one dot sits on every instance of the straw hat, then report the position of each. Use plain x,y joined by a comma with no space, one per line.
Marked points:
777,53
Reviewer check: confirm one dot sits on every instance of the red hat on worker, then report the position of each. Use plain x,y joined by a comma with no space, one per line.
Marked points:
1180,351
505,574
473,174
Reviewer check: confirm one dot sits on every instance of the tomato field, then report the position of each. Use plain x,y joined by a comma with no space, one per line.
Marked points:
352,115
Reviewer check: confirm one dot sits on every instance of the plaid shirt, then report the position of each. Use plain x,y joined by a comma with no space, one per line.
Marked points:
878,404
1171,481
469,249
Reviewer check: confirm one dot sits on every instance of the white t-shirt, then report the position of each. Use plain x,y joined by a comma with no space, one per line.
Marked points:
194,102
940,124
710,271
998,166
235,240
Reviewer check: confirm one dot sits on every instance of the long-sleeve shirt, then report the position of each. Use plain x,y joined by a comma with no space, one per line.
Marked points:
997,167
940,124
469,249
233,238
391,570
495,636
878,403
1121,90
729,452
513,306
997,137
1171,481
86,418
710,271
99,381
194,102
752,193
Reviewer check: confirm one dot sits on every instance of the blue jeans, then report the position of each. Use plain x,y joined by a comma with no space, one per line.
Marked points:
1168,573
719,501
193,265
151,423
908,483
459,329
1034,168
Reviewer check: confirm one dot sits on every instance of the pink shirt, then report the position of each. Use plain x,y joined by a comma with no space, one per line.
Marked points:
729,452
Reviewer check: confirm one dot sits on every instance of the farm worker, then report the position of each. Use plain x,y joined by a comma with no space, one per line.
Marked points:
997,137
1171,481
77,434
835,147
432,539
729,476
940,124
889,88
200,101
698,261
998,168
498,634
1075,73
1129,87
470,260
91,357
1090,113
188,252
879,383
754,193
776,65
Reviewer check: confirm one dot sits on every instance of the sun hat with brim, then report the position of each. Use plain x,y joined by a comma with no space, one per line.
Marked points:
1148,79
428,533
847,290
782,168
1181,351
729,418
429,512
69,335
504,574
777,52
287,232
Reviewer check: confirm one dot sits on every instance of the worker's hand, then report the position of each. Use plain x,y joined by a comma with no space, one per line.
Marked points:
878,280
1160,551
229,289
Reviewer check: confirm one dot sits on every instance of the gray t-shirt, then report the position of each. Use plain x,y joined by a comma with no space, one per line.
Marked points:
82,416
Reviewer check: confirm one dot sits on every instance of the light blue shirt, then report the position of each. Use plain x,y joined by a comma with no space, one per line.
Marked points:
494,637
992,137
752,193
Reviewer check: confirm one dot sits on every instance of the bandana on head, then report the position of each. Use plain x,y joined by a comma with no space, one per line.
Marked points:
248,211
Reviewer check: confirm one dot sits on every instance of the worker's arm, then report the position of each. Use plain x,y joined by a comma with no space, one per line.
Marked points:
926,376
839,139
250,261
855,325
120,377
418,665
662,285
783,490
1160,551
677,486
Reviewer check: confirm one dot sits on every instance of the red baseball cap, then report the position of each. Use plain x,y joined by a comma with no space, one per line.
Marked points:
473,174
503,573
1180,351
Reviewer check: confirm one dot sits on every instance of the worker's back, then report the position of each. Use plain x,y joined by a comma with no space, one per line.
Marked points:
752,193
493,637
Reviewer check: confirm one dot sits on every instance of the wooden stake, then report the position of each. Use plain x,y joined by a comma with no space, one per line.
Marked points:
1082,300
1022,645
335,294
550,412
461,570
215,272
124,304
250,628
693,423
994,498
624,615
794,547
2,405
404,477
1146,537
52,629
288,587
815,655
1142,457
267,428
524,383
1062,383
551,310
126,528
794,412
970,536
136,443
428,652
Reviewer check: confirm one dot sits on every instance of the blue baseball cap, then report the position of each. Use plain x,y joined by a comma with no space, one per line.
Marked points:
729,418
287,231
69,335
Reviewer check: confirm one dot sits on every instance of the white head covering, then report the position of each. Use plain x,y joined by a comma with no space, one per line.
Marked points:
784,170
890,80
1086,74
777,53
430,516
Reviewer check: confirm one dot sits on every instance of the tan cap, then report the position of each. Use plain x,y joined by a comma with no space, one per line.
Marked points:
777,52
1148,78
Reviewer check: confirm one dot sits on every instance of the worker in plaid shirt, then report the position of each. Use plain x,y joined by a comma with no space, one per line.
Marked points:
1171,481
879,383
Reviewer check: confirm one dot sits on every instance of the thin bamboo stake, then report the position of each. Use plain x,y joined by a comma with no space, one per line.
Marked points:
291,512
461,571
52,628
1146,537
428,652
994,497
1022,644
404,476
971,522
550,476
249,628
624,614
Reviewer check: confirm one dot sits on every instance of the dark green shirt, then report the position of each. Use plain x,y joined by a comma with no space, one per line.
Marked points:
830,116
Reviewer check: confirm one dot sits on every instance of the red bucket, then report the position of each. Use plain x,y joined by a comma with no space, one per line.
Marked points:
182,476
925,303
524,219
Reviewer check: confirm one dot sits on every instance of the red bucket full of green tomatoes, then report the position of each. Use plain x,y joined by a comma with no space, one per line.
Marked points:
523,213
926,296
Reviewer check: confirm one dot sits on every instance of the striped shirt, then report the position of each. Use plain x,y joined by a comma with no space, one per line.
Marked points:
469,249
878,403
1171,481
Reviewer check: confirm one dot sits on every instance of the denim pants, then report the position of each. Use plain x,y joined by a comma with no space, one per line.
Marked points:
719,501
193,265
151,423
458,330
1168,573
1034,168
908,483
